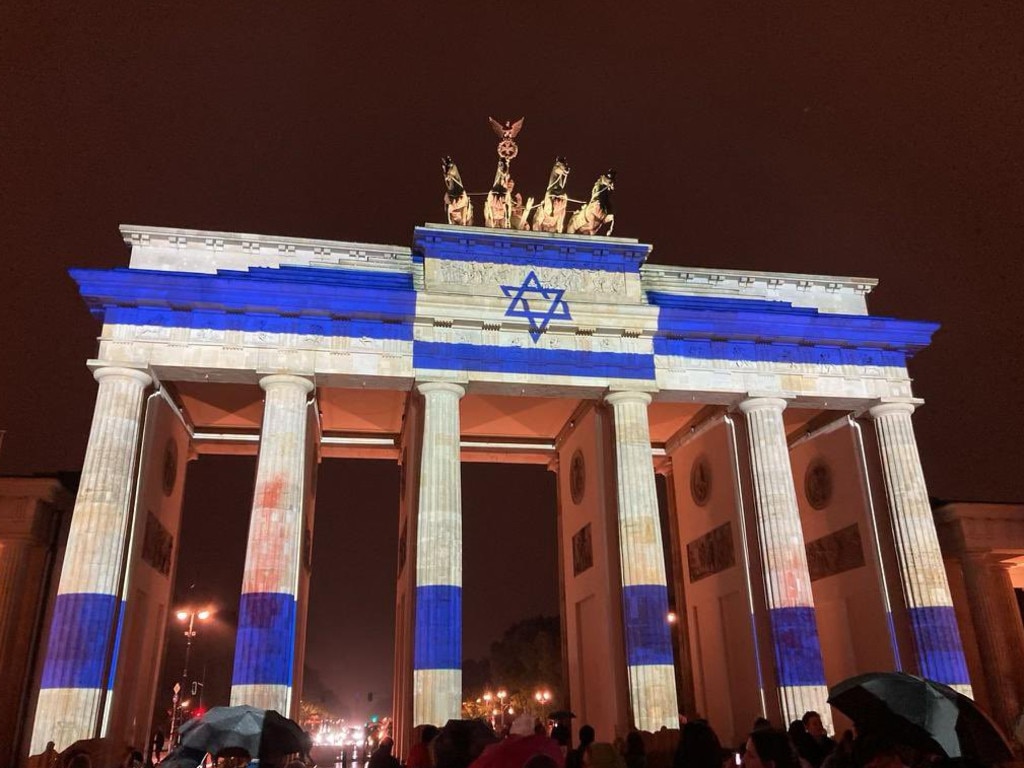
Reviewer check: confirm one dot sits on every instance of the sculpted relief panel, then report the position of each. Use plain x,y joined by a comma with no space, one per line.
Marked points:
470,277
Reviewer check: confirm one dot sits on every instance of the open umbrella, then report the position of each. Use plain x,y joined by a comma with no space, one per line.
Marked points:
183,757
262,733
460,742
920,713
514,751
561,714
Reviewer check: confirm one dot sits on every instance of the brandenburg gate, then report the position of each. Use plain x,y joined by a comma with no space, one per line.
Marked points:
800,546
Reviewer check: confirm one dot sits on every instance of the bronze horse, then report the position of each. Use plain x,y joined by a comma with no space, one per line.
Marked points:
498,208
589,219
550,214
456,200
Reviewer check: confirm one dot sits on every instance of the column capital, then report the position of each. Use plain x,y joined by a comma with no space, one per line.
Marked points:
885,409
886,406
758,403
280,379
427,387
131,373
987,558
628,396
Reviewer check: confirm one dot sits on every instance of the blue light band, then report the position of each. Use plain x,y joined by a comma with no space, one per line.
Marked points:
939,650
80,633
645,616
265,645
438,632
525,250
290,291
797,648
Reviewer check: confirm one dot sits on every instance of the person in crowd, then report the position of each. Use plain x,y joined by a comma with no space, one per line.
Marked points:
699,746
600,754
814,744
883,750
797,731
635,753
419,755
574,758
762,723
769,748
562,733
461,742
842,755
382,757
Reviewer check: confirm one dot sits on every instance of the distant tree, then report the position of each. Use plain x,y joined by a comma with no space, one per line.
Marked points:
476,674
318,694
529,657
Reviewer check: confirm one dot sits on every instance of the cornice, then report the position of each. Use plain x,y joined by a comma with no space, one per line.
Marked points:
297,250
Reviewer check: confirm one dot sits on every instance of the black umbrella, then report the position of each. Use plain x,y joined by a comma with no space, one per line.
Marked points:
262,733
920,713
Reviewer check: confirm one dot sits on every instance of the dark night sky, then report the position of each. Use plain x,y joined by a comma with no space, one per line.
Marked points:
880,140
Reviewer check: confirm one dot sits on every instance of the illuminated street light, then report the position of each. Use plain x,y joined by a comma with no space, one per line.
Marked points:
502,695
543,698
189,614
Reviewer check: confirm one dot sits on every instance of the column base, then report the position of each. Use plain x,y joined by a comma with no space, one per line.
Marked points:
797,699
63,716
653,693
437,696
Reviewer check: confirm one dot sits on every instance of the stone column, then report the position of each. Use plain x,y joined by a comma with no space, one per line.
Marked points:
78,655
799,671
652,677
939,653
264,667
1000,633
14,565
437,632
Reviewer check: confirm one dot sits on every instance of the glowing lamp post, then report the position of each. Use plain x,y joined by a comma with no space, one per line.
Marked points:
543,698
189,615
502,695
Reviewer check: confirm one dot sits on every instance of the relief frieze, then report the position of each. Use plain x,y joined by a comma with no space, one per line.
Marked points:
711,553
472,275
835,553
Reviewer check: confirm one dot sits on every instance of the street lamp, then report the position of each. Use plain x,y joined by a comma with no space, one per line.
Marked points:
502,695
543,698
190,615
487,706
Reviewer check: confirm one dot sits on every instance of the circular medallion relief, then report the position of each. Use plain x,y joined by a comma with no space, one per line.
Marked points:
577,477
700,480
170,470
818,483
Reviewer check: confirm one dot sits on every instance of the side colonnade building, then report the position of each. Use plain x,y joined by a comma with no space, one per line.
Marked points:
801,545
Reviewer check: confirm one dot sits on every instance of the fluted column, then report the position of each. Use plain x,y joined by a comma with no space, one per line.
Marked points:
652,678
78,655
265,645
437,648
13,570
799,671
1000,633
940,655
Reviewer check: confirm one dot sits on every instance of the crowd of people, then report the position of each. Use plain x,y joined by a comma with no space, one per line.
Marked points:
527,743
805,744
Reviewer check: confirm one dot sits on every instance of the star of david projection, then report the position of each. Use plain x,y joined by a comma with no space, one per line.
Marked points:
554,307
